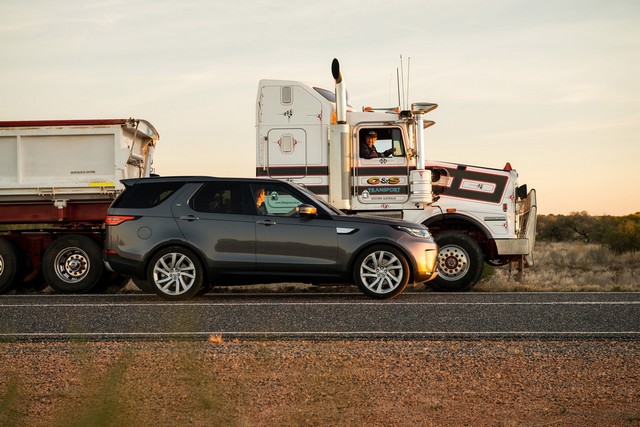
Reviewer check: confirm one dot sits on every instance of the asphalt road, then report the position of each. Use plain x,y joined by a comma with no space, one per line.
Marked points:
424,315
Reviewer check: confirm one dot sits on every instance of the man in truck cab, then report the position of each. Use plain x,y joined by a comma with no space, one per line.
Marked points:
367,148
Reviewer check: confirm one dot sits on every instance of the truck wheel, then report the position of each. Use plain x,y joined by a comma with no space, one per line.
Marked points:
8,265
460,262
175,273
381,272
73,264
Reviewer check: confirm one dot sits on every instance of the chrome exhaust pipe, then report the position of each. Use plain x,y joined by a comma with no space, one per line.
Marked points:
341,93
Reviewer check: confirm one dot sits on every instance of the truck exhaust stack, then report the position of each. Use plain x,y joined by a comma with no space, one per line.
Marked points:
341,93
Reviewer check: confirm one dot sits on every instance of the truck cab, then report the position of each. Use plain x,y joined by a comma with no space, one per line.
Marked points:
313,137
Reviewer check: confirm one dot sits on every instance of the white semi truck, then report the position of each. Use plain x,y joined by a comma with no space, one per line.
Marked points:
57,179
311,136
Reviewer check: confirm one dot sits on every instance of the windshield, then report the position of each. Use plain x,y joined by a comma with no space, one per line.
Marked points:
327,94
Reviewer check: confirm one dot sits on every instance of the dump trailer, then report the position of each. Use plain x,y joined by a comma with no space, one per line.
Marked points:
57,179
312,136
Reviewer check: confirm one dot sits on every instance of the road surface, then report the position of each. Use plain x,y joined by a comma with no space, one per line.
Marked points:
420,315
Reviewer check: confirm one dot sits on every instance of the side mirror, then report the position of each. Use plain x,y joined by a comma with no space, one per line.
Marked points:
306,211
521,191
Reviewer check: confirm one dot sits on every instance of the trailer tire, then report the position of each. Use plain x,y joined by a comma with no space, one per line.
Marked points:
460,262
8,265
73,264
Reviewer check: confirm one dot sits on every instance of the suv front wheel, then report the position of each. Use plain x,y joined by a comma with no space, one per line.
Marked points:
175,273
381,272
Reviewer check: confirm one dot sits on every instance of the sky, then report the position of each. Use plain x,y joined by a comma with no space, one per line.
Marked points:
551,86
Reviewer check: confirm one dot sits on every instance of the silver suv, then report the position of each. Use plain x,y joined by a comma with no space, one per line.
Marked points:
177,236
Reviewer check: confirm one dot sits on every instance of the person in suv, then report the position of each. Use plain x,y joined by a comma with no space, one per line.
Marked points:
180,235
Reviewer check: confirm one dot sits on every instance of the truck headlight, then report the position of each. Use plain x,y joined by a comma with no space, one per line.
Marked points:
414,231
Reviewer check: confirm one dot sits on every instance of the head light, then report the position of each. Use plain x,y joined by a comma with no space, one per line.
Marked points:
415,231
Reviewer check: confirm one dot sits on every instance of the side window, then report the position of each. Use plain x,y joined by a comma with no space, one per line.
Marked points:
380,142
275,199
219,197
147,195
396,143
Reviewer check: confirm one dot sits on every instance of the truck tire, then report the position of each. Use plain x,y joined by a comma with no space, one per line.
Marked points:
8,265
175,273
381,272
73,264
460,262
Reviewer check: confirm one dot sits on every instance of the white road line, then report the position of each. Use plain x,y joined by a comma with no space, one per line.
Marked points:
320,333
360,303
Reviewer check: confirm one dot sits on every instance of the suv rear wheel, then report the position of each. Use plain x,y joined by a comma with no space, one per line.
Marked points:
381,272
175,273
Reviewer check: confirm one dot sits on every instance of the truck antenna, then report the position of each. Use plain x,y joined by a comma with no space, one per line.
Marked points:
398,81
408,73
402,77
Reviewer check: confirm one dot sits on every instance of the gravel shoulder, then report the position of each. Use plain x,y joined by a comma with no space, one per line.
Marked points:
260,383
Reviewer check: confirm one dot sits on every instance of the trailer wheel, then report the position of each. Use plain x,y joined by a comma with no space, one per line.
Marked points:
381,272
460,262
73,264
8,265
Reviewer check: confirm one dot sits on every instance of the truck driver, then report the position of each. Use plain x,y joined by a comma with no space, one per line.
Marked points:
367,149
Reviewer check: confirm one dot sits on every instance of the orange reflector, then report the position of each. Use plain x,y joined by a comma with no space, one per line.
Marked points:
451,210
334,117
367,110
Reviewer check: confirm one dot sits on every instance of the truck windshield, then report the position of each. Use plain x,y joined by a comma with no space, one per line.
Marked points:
327,94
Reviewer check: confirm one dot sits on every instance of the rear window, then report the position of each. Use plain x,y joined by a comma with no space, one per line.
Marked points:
147,195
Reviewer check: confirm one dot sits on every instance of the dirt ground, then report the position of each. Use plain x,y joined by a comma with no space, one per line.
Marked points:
292,383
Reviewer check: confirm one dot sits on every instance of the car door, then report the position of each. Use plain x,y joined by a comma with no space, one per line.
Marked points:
288,244
218,221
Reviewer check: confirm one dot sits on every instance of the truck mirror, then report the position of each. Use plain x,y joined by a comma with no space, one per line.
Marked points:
521,191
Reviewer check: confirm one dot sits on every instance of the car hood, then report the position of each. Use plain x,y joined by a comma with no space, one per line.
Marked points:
370,219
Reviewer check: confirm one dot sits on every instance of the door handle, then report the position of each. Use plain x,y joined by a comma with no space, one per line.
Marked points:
266,222
189,218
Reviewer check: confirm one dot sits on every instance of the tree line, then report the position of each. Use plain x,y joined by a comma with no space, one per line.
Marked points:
619,233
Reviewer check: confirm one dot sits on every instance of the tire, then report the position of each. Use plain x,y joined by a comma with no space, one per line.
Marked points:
381,272
175,273
8,265
460,262
73,264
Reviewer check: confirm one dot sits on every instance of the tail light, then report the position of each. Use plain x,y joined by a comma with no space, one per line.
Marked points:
118,219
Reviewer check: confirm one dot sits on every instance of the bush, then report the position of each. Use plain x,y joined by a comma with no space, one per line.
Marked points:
620,234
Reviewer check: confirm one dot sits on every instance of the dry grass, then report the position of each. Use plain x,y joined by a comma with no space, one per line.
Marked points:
570,267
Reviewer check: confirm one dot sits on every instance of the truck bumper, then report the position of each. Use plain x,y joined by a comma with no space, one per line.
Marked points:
512,246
